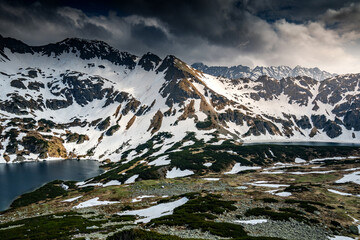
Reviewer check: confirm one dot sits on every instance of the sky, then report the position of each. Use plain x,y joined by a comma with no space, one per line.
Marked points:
309,33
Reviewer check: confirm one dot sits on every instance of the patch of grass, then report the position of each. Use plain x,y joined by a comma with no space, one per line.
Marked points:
306,205
197,212
86,189
291,210
308,208
60,226
125,218
112,130
284,153
49,190
346,162
293,188
279,216
187,159
313,178
139,234
210,203
205,124
114,173
270,200
200,221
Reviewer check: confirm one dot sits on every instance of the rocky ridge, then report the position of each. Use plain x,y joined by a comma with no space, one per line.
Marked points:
277,72
84,99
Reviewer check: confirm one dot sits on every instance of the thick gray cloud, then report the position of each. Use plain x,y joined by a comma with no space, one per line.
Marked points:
262,32
39,25
346,20
151,36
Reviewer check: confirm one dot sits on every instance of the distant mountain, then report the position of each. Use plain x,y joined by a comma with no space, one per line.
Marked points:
279,72
85,99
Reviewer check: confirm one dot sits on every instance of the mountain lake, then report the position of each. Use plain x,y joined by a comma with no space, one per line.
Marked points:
19,178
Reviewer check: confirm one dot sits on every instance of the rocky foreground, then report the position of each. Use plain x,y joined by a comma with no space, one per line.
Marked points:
316,198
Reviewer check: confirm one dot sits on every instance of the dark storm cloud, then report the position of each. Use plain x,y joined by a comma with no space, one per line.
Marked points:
346,19
151,36
221,22
252,32
293,10
37,24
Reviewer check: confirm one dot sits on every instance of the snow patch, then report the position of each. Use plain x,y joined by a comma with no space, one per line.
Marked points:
340,193
299,160
352,177
238,168
64,186
72,199
341,238
139,198
177,172
112,183
252,222
161,161
283,194
211,179
264,184
156,211
94,202
131,179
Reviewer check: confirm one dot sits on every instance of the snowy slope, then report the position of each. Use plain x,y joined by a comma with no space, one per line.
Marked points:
84,99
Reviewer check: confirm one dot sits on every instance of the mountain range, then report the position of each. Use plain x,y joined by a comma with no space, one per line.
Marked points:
85,99
277,72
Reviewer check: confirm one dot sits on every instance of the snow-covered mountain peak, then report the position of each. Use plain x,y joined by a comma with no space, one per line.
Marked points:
277,72
85,99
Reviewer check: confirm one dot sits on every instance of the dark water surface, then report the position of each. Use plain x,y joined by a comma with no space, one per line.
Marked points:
19,178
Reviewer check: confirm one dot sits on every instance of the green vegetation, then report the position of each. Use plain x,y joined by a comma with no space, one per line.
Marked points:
197,212
112,130
194,156
291,210
187,159
327,163
114,173
104,124
49,190
205,124
293,188
283,153
270,200
138,234
306,205
46,123
48,227
86,189
280,216
125,218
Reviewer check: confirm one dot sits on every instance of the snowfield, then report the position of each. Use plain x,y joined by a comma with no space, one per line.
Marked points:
238,168
72,199
157,211
252,222
94,202
177,172
352,177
